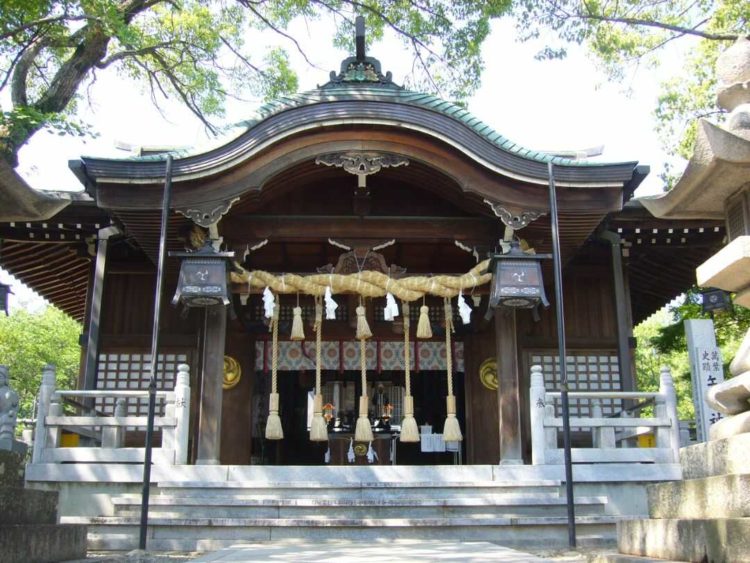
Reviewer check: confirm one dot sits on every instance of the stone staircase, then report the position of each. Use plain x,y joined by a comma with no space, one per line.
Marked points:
704,517
204,515
29,532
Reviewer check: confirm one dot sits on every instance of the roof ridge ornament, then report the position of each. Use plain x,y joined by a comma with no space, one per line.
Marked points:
360,69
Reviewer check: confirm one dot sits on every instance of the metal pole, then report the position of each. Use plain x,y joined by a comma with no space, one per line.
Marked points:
154,351
563,357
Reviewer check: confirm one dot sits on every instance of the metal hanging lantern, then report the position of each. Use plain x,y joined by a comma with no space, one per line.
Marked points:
4,292
517,279
716,300
203,277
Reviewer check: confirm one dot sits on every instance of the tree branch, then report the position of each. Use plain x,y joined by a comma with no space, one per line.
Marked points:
659,25
242,58
42,22
136,52
281,32
19,82
178,88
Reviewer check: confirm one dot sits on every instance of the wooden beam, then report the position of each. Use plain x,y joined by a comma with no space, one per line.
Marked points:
251,228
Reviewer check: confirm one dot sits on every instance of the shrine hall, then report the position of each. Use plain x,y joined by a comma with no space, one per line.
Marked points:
357,317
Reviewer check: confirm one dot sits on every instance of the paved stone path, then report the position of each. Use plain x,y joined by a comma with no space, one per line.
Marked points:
369,552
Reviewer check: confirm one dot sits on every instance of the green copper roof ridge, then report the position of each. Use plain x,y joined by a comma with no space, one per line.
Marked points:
427,101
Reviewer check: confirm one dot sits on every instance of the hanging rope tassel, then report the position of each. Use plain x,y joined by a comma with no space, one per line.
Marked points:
424,330
318,426
409,429
451,430
298,329
363,329
274,431
363,430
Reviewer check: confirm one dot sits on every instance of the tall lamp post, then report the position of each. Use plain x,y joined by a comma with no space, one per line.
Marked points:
517,282
202,283
565,404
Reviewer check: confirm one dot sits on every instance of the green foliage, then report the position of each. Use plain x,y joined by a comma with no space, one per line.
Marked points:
201,52
29,341
661,341
649,361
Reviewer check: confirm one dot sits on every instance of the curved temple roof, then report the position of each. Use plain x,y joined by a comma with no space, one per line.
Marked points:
366,98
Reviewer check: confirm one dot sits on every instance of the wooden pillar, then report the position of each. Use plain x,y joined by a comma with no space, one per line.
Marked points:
94,305
212,375
621,309
508,397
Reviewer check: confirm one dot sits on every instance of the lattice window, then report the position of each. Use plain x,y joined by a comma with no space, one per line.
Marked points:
594,371
436,314
127,371
308,312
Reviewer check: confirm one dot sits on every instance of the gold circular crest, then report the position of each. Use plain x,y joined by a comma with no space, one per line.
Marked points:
232,372
488,373
360,449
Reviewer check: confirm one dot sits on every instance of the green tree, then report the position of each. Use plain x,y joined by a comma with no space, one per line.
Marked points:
662,341
626,34
200,51
649,360
29,341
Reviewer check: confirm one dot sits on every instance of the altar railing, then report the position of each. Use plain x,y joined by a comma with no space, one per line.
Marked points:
108,432
611,437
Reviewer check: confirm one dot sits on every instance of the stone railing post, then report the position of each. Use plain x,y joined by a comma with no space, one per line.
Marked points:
112,436
42,409
182,414
537,403
8,411
668,437
54,432
603,436
550,433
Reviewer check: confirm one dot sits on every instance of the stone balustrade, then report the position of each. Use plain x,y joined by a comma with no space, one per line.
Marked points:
109,431
608,434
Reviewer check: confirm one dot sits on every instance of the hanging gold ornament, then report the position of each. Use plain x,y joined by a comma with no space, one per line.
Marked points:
232,373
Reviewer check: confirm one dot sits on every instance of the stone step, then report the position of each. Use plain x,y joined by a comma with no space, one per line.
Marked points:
168,506
364,490
698,539
622,558
717,457
28,506
201,534
42,542
721,496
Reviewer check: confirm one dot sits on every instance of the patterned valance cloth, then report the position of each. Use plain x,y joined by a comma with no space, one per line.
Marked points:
344,355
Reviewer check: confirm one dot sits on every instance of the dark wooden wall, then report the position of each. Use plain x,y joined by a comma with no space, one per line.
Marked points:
128,312
482,422
236,411
590,317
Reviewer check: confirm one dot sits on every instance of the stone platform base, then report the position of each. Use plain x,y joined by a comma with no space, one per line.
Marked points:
42,543
717,539
622,558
